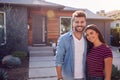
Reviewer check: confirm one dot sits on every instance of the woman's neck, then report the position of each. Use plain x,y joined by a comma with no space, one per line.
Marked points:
97,43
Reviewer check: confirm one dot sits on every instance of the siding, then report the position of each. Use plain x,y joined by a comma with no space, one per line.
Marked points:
16,28
53,22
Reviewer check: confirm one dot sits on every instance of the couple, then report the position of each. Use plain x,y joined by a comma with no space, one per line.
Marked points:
83,56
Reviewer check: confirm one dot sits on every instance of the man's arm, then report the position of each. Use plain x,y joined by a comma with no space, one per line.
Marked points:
59,72
59,57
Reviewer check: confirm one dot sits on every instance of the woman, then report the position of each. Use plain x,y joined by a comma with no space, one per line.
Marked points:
99,57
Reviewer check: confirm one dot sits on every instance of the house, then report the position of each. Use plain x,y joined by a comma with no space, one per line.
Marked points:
115,27
38,22
115,15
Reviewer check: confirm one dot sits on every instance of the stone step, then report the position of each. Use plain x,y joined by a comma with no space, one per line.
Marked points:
39,55
45,64
41,51
45,52
42,48
42,72
53,78
39,59
42,68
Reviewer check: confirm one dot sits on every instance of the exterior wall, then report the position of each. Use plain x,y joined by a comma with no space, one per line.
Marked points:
53,22
54,32
107,31
16,29
113,23
52,29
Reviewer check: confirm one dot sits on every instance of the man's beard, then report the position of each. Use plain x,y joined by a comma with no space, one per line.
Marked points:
82,28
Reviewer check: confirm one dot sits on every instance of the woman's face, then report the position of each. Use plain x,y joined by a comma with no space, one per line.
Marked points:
92,35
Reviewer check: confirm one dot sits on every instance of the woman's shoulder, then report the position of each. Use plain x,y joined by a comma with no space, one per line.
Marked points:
107,51
106,48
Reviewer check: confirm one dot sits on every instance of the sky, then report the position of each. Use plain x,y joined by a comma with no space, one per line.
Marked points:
92,5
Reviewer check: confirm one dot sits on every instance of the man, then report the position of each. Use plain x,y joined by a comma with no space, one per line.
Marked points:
71,50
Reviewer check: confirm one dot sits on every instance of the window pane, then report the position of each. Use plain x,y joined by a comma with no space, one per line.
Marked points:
1,19
65,25
2,33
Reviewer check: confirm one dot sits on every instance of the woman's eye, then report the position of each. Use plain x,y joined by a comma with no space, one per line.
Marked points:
87,35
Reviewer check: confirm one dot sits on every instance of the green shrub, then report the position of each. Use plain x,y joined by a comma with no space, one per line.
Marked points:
115,73
9,61
3,74
20,54
116,37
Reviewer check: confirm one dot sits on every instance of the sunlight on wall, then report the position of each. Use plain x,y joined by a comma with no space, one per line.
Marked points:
50,14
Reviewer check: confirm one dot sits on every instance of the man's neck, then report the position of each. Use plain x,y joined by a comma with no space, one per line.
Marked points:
78,35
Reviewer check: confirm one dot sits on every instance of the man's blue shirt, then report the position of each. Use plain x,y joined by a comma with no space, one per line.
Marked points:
65,55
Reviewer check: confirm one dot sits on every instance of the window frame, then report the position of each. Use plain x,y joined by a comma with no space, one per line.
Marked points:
60,22
4,25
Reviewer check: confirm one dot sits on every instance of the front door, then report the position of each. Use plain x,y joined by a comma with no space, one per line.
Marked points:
38,30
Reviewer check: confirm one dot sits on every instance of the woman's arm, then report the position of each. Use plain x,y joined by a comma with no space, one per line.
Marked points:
108,68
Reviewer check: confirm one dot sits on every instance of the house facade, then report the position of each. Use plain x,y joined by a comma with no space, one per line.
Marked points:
37,22
115,27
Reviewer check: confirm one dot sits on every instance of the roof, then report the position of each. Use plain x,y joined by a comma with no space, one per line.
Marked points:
32,3
115,14
90,15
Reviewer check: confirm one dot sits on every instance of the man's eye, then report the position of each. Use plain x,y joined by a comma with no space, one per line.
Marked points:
76,22
82,21
87,35
91,33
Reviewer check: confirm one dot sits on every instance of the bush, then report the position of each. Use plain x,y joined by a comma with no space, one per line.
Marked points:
9,61
3,74
20,54
115,73
115,37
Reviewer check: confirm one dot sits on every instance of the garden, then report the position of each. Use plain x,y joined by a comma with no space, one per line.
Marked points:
15,66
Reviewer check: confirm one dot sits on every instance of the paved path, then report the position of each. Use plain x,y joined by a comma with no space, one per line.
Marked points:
116,57
42,67
41,64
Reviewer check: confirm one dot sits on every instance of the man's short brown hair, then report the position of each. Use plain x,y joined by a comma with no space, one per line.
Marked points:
79,13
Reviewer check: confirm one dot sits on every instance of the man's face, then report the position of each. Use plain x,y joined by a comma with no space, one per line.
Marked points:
79,24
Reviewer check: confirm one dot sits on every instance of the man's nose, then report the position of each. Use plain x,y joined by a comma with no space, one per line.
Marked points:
79,24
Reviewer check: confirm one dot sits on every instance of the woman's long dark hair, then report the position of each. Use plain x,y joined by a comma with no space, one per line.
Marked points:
94,27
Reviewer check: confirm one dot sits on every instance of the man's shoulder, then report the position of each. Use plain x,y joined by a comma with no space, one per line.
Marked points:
68,34
65,36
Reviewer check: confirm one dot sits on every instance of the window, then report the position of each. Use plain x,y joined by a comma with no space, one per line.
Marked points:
2,29
117,25
65,24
